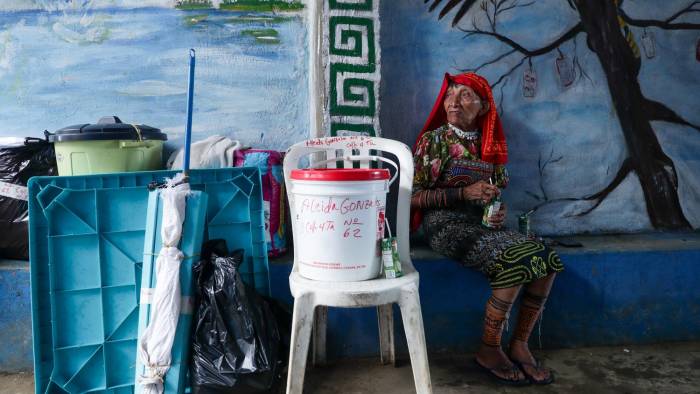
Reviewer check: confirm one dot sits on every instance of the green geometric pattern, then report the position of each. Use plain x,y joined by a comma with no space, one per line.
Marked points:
359,5
345,32
365,129
353,66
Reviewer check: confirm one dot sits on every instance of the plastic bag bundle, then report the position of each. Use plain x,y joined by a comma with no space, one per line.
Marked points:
18,163
236,339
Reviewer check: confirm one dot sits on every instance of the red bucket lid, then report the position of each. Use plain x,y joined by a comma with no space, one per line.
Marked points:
340,174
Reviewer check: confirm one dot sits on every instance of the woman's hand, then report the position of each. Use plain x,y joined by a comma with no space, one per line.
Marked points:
497,220
480,191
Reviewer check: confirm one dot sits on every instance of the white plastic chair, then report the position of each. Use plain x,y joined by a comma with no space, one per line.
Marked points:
310,295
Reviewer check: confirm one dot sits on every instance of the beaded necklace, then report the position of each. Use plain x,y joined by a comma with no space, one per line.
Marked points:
467,135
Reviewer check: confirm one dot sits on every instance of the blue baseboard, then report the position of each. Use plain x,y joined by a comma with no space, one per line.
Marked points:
15,317
616,290
629,290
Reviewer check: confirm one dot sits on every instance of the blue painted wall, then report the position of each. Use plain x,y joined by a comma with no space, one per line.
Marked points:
577,123
69,62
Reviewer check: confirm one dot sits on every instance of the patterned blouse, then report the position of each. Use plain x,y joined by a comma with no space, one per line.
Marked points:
443,160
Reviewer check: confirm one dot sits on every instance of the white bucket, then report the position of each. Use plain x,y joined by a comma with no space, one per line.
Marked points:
338,221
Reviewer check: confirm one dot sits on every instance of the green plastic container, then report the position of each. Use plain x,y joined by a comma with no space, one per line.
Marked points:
108,146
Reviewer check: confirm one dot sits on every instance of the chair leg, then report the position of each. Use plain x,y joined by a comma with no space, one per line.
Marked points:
319,335
385,316
302,322
413,325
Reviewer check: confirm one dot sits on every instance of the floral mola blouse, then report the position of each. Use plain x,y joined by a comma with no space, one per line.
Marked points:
444,159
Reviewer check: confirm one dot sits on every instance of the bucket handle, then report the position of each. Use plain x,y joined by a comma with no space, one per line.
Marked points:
138,132
360,158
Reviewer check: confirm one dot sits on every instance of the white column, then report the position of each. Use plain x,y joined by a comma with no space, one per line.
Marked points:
316,77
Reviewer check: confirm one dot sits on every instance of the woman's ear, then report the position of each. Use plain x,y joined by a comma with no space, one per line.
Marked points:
485,107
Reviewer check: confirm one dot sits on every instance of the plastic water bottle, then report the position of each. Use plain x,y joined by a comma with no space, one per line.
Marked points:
491,209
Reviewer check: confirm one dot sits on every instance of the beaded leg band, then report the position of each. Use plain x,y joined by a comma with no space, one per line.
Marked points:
530,308
497,312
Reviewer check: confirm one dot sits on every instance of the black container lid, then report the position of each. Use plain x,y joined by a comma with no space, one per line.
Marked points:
106,129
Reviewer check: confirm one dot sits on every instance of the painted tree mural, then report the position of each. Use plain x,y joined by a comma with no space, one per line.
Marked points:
606,26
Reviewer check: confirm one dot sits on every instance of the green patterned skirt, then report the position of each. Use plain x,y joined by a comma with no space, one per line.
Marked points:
506,257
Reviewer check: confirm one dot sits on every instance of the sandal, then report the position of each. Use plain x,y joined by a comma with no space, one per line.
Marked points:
504,369
538,366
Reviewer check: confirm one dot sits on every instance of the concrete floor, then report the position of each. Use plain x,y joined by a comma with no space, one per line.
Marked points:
668,368
20,383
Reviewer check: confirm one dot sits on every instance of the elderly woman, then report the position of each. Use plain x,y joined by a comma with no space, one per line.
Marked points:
459,162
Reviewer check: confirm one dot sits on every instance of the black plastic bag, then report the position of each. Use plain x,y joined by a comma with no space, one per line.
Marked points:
18,163
236,344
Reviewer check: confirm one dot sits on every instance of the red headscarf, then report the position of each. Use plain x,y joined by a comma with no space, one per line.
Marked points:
493,140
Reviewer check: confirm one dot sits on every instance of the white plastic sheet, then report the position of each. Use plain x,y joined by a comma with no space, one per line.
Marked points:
156,341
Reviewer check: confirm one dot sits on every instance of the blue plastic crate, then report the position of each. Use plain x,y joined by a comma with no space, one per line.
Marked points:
86,248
